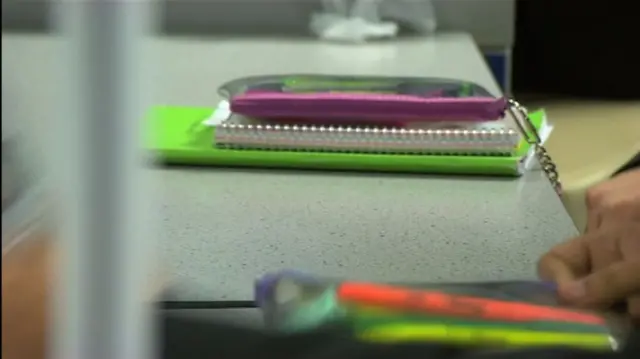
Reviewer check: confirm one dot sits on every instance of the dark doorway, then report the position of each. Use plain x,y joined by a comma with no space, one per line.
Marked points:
577,48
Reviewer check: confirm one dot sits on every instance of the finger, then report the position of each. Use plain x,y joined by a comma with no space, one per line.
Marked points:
603,288
593,214
593,220
633,306
620,194
604,243
565,262
630,243
623,204
593,198
630,248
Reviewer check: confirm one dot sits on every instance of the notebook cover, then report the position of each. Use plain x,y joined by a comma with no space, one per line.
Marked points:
177,136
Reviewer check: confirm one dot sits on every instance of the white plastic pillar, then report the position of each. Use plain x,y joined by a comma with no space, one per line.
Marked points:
100,311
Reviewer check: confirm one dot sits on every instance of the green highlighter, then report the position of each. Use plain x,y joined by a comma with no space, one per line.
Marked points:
178,135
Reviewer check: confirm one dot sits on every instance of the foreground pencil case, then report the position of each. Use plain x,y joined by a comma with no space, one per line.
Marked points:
363,99
500,315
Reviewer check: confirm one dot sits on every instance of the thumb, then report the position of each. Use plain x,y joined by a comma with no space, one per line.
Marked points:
604,287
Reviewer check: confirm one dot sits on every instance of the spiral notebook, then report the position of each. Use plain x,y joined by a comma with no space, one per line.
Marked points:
495,138
188,135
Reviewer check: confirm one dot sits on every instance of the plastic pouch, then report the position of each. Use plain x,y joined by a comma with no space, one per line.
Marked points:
498,315
362,98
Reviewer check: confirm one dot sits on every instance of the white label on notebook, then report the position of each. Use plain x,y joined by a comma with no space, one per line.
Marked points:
220,114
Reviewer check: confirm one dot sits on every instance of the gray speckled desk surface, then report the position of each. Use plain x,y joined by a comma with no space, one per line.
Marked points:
221,228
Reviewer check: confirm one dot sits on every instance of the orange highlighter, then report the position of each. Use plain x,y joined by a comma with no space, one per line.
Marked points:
439,303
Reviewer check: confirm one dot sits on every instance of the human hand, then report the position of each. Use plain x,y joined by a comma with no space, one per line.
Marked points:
602,266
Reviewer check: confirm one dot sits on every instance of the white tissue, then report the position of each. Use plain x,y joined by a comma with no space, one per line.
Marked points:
334,27
357,21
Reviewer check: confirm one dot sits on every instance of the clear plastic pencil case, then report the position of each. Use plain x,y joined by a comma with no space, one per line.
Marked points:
374,115
362,99
499,315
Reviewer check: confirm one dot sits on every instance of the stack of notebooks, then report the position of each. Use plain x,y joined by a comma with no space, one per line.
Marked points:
350,123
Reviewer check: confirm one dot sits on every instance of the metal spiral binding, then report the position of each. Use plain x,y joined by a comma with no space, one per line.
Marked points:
366,139
531,135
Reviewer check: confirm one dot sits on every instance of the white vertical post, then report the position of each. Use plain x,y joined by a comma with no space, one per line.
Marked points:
99,164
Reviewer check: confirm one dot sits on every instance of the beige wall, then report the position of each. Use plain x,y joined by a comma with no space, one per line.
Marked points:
591,140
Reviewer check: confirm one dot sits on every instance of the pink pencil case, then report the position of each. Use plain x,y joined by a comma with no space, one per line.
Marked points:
309,98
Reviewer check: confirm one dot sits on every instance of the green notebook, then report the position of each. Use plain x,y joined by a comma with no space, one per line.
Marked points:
178,136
